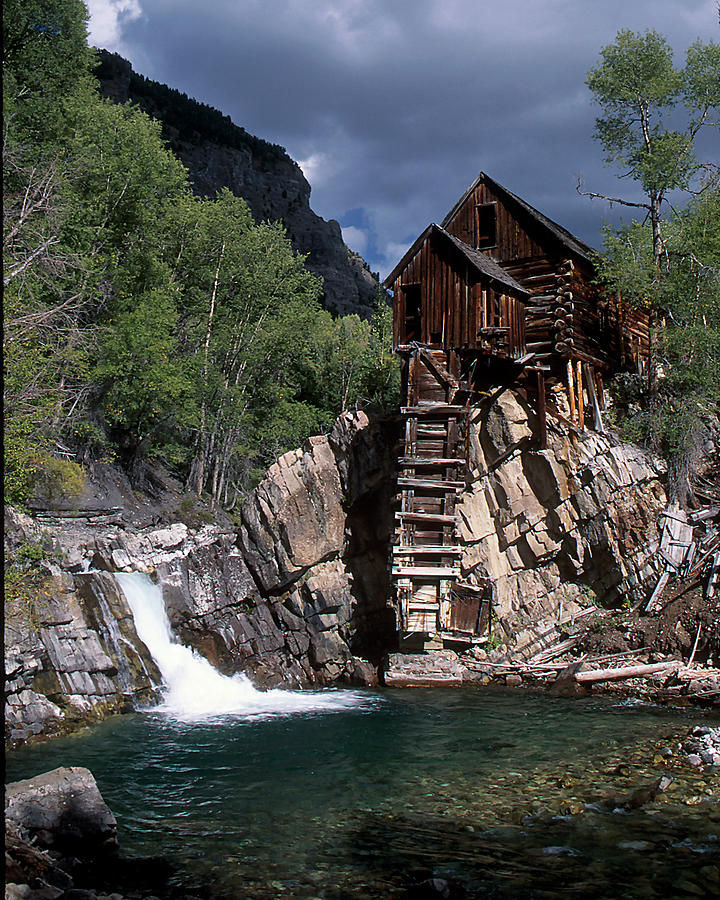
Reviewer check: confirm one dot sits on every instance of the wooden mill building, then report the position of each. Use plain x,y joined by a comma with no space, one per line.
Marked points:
495,294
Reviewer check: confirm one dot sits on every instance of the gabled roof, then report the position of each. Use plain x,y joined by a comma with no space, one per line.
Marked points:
562,234
478,260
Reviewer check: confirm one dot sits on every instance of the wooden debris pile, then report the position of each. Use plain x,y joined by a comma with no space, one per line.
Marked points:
689,547
644,671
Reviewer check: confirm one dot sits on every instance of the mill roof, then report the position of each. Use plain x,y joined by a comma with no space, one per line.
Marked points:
572,242
478,260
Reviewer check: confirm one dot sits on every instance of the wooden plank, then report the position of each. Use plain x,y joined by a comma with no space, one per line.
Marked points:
425,517
580,395
622,672
429,550
657,592
433,409
427,571
431,485
590,382
429,461
541,410
571,390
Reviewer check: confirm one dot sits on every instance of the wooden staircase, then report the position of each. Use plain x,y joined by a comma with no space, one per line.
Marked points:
432,471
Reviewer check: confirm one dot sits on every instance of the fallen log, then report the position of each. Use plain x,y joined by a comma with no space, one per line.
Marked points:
621,672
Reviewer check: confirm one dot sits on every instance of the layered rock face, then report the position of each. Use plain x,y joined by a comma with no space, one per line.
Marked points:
71,650
274,188
556,529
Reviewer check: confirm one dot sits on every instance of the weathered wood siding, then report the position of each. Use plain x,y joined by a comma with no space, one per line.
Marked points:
566,315
516,238
459,310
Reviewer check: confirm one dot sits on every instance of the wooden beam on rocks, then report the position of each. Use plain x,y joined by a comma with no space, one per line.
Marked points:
619,673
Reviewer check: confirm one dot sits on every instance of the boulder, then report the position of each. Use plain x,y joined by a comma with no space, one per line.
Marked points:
62,810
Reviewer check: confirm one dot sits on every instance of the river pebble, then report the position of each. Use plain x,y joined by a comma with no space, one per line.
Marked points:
702,746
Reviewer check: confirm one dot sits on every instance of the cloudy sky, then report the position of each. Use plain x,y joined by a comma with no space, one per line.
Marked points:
392,107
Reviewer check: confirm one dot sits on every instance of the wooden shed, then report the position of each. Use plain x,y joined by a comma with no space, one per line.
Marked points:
452,296
567,316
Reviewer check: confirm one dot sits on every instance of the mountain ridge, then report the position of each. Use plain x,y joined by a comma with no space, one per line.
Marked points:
218,154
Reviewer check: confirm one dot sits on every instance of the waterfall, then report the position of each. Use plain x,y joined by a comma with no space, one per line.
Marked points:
193,689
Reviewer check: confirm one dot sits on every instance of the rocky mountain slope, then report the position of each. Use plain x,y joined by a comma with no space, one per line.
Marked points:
219,154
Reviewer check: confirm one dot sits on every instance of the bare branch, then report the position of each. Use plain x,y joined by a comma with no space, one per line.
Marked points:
594,196
20,267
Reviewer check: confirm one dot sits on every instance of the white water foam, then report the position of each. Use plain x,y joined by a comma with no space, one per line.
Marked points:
194,690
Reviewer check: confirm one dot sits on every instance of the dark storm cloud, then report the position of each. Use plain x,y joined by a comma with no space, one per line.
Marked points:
393,107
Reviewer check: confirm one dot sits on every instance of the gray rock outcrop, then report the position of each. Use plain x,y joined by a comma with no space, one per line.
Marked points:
558,529
300,593
71,650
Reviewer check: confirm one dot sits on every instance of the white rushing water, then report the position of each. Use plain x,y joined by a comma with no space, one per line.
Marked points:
193,689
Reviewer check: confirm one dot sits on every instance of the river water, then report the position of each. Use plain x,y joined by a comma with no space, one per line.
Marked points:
350,795
502,791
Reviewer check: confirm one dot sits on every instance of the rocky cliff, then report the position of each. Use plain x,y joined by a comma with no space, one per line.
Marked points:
559,529
298,591
297,594
219,154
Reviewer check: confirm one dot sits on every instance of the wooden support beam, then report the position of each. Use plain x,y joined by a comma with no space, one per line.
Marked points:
622,672
590,382
541,410
571,390
440,371
580,395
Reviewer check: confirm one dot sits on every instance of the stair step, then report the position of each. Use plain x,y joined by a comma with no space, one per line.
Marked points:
428,550
415,461
428,571
431,485
425,517
434,409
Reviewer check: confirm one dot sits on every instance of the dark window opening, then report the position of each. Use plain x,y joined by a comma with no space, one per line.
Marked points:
486,217
412,312
603,317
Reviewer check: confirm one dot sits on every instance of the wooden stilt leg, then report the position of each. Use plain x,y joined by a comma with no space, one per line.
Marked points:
541,410
580,395
571,390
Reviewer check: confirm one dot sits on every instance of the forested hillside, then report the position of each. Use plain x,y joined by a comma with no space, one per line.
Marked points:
143,323
220,154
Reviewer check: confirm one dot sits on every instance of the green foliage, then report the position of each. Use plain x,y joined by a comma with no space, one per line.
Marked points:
670,266
142,322
45,56
638,88
57,479
191,514
686,291
25,583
